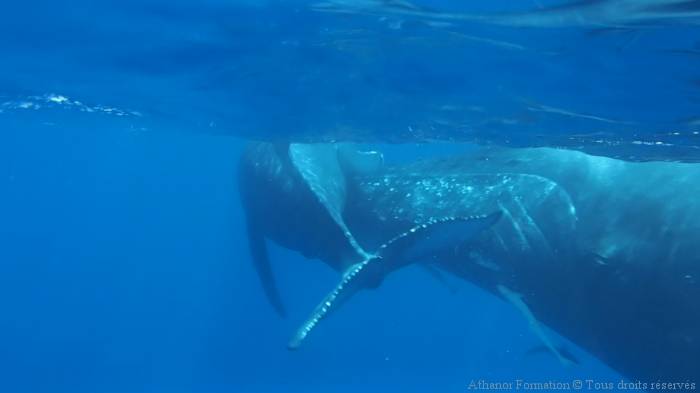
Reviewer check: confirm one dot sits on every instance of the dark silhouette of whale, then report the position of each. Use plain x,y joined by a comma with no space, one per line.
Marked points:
602,251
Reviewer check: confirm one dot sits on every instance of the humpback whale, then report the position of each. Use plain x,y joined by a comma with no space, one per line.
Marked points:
603,251
295,195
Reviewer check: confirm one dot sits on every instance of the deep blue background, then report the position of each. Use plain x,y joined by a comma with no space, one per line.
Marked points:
124,267
123,258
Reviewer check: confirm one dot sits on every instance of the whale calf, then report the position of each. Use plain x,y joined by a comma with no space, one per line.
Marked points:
604,252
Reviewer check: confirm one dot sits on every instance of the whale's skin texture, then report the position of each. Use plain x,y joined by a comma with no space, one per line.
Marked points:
609,255
605,252
280,203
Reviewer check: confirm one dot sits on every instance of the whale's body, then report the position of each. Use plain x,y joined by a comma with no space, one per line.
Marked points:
622,283
604,252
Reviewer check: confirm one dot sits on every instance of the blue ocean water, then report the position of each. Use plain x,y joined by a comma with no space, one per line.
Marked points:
124,264
126,268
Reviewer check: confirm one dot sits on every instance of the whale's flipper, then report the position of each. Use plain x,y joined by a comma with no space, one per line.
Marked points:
261,262
438,276
319,165
516,300
299,185
410,247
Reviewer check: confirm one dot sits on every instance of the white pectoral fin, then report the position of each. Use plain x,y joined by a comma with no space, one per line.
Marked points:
319,166
350,283
405,249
